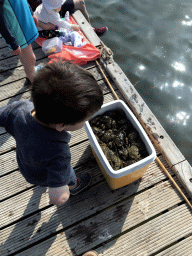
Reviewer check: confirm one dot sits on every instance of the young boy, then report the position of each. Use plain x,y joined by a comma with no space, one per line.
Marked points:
71,6
48,12
64,97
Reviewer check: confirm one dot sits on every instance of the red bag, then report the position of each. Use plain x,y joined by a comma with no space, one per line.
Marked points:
78,55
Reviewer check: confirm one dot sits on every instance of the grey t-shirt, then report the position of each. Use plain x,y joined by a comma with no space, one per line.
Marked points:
43,154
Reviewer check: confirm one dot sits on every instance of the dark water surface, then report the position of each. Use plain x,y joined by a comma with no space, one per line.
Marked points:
152,43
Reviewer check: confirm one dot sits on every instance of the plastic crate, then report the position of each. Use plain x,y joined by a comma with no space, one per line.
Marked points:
128,174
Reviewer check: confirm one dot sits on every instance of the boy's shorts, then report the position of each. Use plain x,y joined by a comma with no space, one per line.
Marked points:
70,180
20,21
67,6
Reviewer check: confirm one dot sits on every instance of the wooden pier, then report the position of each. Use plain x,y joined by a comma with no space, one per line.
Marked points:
145,218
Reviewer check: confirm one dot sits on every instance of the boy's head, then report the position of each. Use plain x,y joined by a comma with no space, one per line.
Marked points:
66,94
53,4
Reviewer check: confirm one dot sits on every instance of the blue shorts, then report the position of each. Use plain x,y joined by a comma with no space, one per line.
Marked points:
20,21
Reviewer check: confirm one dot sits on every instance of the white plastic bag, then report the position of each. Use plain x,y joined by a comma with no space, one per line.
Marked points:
52,45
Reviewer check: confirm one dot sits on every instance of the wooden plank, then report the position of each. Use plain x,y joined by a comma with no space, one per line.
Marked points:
10,206
14,183
184,173
107,224
86,28
80,153
12,75
23,96
5,51
89,65
8,162
37,197
10,89
3,44
14,61
130,213
7,143
182,248
152,236
19,73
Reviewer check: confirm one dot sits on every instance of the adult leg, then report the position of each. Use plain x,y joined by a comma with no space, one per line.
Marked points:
80,5
73,5
28,60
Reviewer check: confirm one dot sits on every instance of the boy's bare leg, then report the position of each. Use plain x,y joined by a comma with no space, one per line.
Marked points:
46,26
59,195
28,60
80,5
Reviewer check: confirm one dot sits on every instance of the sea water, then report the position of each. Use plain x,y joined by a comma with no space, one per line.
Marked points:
152,43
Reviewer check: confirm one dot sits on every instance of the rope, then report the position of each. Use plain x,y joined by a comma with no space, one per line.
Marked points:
114,93
157,159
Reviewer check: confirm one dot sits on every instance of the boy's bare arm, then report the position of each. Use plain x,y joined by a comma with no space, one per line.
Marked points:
59,195
46,26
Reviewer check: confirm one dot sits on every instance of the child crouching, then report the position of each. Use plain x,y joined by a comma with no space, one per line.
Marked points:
48,12
64,97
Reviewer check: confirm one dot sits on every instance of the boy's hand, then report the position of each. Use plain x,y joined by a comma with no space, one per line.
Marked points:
75,27
17,51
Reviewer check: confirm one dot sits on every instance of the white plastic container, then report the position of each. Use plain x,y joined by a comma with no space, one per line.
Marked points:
128,174
52,45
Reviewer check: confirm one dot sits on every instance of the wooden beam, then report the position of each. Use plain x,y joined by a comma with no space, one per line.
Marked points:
86,28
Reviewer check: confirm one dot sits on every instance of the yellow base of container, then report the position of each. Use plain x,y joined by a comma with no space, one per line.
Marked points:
115,183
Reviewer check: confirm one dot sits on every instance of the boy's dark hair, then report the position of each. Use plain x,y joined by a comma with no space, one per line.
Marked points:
65,93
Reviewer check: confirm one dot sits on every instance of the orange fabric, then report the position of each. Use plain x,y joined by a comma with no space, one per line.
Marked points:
78,55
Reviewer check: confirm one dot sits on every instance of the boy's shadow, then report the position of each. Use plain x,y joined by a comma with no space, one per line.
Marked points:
18,234
100,206
86,218
84,221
